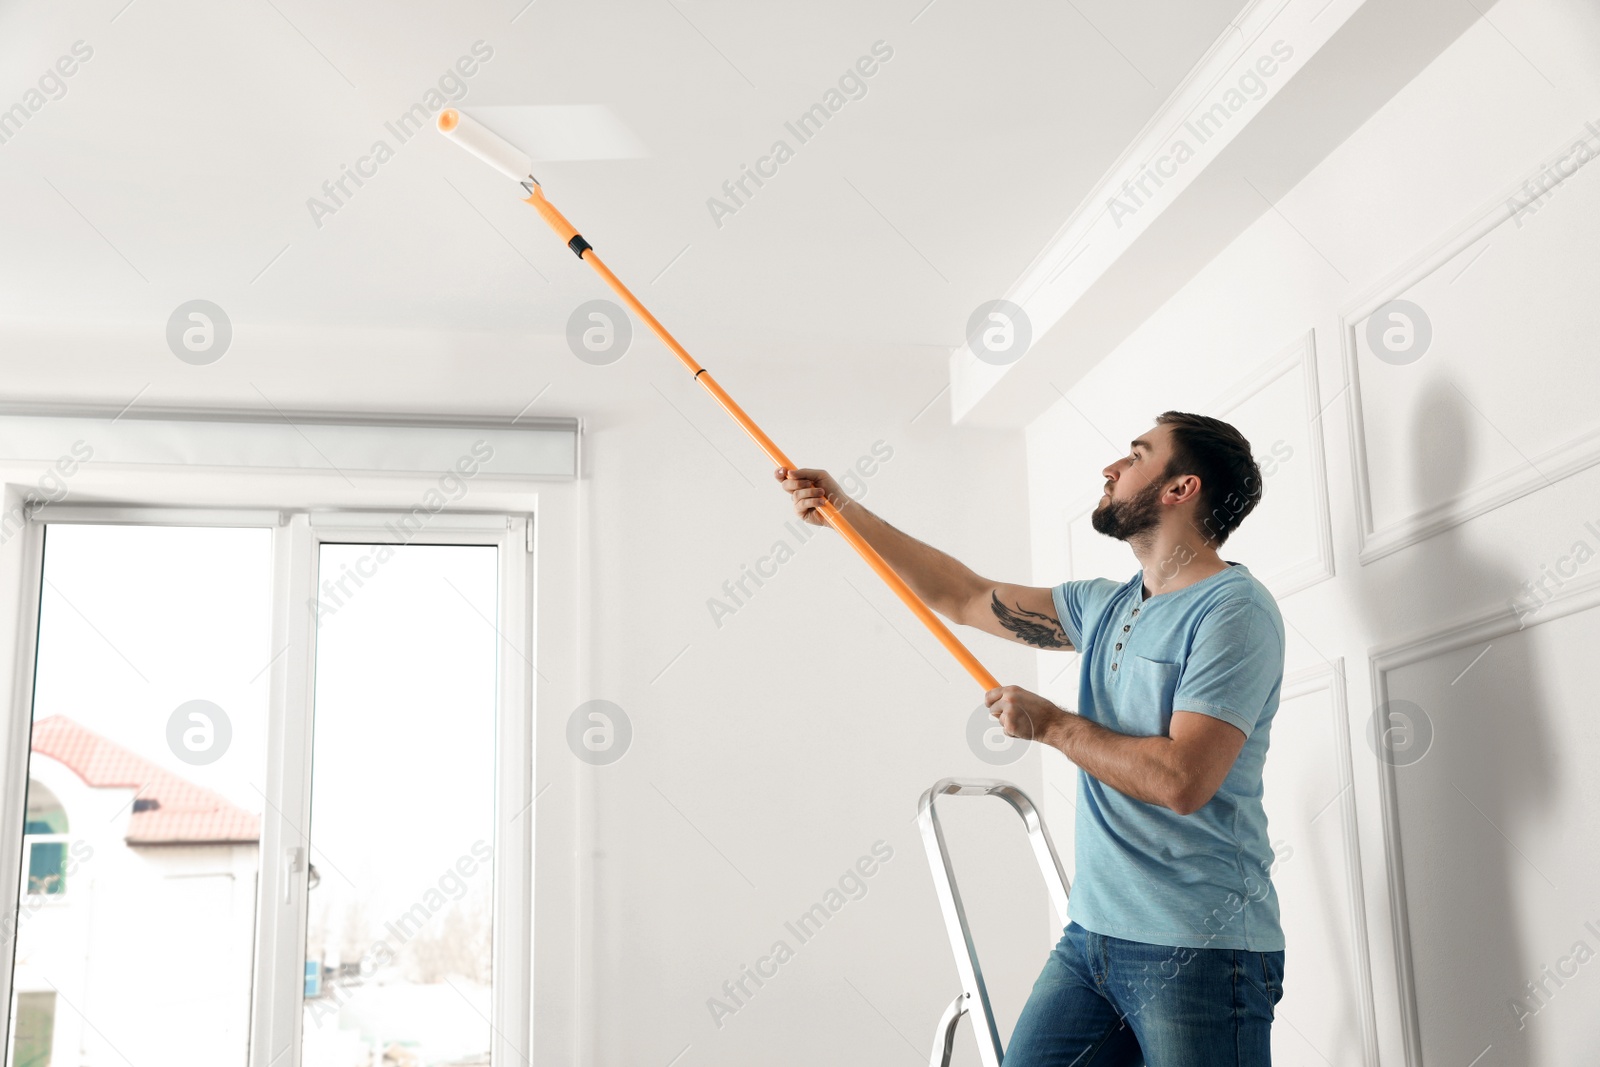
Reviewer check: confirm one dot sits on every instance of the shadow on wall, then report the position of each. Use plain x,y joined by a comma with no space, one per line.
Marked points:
1483,779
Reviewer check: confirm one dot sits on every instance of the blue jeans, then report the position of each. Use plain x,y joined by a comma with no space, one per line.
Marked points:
1105,1002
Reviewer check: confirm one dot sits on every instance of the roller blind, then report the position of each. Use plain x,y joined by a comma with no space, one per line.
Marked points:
542,447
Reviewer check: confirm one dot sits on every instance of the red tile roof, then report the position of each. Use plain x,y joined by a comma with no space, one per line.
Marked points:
183,812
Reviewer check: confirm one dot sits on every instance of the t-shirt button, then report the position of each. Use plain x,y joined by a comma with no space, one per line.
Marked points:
1119,644
1136,611
1113,666
1124,629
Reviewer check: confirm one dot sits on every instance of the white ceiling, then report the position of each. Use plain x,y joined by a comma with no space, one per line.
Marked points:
179,162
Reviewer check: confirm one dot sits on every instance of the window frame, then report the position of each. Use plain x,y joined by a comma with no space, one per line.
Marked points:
282,906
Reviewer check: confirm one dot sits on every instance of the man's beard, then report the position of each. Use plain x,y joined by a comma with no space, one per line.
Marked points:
1130,518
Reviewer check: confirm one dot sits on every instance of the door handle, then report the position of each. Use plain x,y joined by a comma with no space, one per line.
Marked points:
293,863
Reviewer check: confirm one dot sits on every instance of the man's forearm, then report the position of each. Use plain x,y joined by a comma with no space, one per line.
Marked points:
1141,767
942,581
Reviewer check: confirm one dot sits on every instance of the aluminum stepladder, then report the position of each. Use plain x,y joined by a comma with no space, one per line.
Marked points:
974,994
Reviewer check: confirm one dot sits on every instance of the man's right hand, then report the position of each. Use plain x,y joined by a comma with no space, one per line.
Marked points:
809,488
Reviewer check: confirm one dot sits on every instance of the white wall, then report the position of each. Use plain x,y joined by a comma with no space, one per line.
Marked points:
778,747
1478,459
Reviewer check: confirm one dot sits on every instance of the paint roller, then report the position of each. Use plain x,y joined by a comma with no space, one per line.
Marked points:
516,165
488,146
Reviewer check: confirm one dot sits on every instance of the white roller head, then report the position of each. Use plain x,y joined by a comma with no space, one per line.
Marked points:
486,145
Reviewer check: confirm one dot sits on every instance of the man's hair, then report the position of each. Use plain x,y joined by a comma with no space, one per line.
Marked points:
1218,454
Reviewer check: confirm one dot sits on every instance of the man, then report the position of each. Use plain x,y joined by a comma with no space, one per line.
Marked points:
1173,955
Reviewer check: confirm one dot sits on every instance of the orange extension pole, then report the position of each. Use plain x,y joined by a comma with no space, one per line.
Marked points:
569,234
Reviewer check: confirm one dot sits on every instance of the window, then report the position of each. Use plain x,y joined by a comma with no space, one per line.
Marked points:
264,743
44,843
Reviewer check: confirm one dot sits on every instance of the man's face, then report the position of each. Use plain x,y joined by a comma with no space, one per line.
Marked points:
1131,505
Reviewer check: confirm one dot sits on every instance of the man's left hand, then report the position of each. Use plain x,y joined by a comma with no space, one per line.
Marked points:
1023,714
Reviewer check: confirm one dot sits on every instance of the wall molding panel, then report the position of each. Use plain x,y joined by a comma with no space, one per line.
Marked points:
1483,628
1540,469
1330,677
1299,355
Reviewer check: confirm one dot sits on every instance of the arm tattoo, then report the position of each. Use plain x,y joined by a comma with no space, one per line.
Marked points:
1042,634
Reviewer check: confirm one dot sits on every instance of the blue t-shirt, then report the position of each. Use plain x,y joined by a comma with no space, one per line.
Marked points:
1144,872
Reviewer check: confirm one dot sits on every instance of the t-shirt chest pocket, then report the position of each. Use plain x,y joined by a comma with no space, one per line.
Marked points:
1144,706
